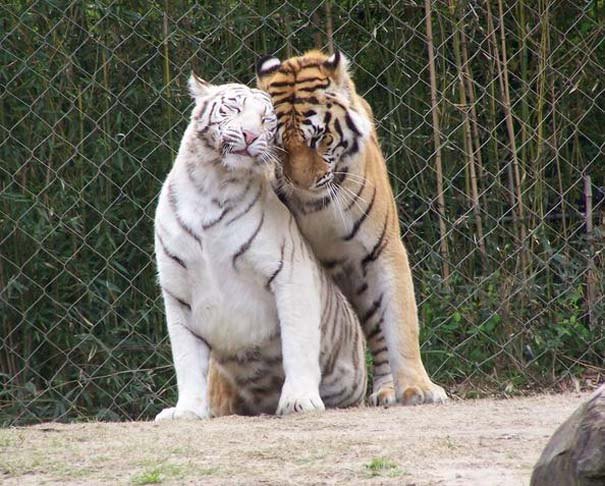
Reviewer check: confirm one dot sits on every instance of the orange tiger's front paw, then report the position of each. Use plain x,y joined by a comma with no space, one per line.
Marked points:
384,396
418,394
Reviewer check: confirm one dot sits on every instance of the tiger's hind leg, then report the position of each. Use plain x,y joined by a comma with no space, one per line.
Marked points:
342,358
371,318
383,395
248,382
383,388
223,398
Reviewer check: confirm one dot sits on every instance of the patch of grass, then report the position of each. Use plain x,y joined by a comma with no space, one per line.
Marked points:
449,443
18,466
153,476
381,466
6,439
158,474
67,470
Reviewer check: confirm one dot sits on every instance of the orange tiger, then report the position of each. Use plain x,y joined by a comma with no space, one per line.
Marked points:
336,185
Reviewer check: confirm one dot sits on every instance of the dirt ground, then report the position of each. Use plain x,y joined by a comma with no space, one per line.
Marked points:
473,442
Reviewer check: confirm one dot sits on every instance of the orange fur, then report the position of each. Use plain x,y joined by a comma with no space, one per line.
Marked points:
301,88
222,395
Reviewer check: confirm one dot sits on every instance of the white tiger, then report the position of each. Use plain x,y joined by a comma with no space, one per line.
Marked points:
238,279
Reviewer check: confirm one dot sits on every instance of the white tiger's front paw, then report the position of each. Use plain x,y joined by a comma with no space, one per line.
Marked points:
289,405
293,401
175,413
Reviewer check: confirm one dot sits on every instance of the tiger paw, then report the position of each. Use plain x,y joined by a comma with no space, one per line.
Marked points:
300,405
175,413
420,393
292,401
384,396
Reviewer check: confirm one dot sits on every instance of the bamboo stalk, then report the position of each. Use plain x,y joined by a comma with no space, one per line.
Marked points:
329,29
591,294
558,164
437,142
538,169
166,57
167,89
511,133
493,69
503,78
496,57
470,88
7,359
525,121
315,20
468,142
286,26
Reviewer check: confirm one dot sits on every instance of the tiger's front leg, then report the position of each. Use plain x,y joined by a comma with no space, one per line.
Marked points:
190,355
299,309
388,312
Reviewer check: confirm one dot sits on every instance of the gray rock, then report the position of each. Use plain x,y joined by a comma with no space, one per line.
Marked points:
575,454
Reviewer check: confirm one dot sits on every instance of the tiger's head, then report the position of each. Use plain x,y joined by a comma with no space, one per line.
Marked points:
236,122
321,121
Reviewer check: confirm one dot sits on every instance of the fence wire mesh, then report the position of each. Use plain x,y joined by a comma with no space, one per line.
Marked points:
500,182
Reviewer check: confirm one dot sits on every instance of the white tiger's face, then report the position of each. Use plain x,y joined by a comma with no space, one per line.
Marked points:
237,122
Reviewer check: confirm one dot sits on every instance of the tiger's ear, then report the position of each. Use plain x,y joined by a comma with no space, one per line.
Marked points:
337,66
197,86
265,66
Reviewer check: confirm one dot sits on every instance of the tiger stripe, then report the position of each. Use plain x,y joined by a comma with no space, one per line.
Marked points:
168,253
279,268
248,243
174,206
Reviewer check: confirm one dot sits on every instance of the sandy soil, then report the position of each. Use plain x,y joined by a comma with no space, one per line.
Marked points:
474,442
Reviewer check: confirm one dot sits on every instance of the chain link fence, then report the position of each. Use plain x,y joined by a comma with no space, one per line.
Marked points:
492,125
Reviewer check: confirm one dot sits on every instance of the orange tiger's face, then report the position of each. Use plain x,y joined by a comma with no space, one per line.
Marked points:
318,125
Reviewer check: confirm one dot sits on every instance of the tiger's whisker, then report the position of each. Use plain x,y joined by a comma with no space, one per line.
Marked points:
354,198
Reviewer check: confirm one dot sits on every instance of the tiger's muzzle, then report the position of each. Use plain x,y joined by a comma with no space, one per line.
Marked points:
305,167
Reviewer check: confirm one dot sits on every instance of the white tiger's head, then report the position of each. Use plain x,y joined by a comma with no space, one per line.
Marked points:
235,121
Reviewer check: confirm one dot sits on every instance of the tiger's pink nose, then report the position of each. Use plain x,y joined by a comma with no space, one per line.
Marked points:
249,137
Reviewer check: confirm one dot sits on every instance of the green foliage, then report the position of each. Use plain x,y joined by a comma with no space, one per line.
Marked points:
381,466
148,477
92,107
158,474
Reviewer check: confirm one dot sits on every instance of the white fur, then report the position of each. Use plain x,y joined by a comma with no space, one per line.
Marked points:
197,87
231,308
269,64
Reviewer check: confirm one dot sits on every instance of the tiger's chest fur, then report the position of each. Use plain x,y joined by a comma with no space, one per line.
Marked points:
231,307
324,232
349,230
